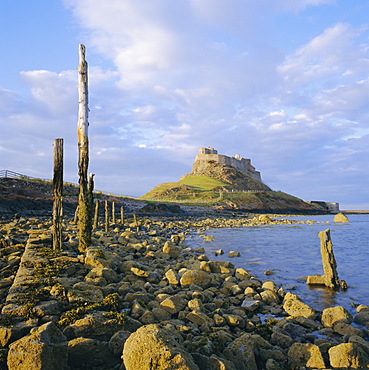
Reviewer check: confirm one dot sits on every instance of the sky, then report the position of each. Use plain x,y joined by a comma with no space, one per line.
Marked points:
284,83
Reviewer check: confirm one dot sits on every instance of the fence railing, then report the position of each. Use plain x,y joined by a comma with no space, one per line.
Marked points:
15,175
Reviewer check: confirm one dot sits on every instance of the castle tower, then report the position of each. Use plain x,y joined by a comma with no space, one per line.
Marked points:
208,150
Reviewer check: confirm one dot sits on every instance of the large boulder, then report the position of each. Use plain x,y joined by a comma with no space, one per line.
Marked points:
44,348
195,277
302,355
96,325
171,249
241,353
156,347
333,315
340,217
87,353
348,356
294,306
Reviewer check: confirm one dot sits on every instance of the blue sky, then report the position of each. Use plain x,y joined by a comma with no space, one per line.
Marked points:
284,83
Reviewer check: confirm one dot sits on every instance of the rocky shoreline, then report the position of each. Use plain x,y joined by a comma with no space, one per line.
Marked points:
139,298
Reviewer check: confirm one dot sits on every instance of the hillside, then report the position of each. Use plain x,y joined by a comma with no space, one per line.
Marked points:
227,187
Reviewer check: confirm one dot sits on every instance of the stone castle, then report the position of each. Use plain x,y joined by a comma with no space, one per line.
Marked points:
243,164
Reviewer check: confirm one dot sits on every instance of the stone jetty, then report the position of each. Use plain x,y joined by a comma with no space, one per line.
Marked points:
141,299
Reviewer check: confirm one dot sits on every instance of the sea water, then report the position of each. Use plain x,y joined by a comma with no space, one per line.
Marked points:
293,251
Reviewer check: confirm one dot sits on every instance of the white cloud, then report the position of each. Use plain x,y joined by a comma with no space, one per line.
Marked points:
183,75
328,54
56,91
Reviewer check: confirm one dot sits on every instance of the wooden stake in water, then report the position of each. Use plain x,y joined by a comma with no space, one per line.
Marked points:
331,279
57,195
84,216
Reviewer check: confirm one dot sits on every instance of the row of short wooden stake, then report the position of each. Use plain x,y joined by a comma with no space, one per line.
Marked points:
108,221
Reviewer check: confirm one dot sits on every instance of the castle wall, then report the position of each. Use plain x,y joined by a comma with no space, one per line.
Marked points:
243,164
329,206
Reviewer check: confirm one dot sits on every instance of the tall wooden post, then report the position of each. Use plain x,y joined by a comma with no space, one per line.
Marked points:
57,195
84,216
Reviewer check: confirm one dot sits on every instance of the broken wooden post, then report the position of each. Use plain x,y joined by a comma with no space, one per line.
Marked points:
75,218
122,215
135,222
91,192
57,195
96,216
113,212
106,216
329,262
84,216
330,277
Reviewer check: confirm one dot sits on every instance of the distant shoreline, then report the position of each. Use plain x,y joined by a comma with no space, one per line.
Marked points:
355,211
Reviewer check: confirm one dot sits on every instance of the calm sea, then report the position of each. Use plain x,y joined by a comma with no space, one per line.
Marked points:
293,251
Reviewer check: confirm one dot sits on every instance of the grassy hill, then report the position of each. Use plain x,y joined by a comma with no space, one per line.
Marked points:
226,187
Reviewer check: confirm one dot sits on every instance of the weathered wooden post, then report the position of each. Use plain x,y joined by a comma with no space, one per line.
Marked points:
75,218
90,194
84,216
57,195
106,216
96,216
331,279
135,222
122,215
113,212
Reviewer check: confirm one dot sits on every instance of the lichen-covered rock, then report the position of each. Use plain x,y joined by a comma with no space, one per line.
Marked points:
171,249
96,325
340,217
156,347
233,254
281,340
172,277
269,297
199,318
362,317
270,285
44,348
242,274
302,355
107,273
333,315
117,341
174,304
87,353
348,356
346,329
294,306
241,353
195,277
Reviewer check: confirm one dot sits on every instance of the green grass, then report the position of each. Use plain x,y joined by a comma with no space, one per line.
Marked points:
202,183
